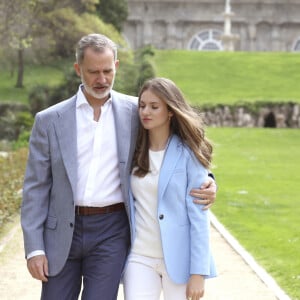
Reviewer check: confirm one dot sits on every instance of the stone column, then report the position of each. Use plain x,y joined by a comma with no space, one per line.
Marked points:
275,38
171,36
252,35
228,38
147,33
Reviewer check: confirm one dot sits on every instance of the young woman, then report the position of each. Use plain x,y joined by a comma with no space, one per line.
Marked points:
170,245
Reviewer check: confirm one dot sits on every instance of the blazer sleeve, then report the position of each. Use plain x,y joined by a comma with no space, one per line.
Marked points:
199,220
36,188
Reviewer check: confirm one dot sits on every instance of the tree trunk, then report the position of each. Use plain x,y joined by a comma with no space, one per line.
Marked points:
19,83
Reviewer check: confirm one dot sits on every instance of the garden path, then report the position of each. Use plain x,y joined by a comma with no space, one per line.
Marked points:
240,278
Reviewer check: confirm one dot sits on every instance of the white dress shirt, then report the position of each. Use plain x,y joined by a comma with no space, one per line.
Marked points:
98,181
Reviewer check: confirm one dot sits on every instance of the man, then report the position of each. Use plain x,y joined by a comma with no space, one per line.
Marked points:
75,212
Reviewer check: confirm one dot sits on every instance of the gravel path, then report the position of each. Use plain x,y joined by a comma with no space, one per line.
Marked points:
236,280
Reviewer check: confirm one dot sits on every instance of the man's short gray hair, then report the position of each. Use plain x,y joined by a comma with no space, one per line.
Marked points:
98,42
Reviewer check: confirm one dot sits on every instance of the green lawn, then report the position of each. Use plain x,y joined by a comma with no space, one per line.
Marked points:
258,200
223,77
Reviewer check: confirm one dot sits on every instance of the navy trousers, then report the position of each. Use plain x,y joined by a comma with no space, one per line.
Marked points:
96,260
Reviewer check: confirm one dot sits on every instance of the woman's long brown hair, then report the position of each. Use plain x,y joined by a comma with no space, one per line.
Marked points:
185,123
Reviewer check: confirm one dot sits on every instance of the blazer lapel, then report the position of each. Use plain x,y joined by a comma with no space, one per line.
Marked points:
171,157
65,128
126,127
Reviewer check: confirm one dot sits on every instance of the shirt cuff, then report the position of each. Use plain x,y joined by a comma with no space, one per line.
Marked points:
35,253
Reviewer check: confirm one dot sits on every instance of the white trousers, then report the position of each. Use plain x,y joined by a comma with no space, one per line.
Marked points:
146,277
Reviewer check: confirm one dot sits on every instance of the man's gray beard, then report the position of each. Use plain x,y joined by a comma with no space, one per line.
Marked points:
91,92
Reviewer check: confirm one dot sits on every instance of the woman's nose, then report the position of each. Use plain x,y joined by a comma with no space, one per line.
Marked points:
145,110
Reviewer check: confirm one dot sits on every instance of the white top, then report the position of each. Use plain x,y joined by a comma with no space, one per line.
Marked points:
145,191
98,181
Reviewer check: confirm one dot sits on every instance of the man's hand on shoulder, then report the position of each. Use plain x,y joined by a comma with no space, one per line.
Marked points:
206,194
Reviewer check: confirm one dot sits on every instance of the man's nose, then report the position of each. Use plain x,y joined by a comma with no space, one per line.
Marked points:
101,78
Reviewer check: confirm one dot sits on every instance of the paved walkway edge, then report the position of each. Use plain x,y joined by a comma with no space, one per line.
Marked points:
7,238
261,273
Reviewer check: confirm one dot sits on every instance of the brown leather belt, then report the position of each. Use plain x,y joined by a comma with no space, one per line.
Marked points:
89,210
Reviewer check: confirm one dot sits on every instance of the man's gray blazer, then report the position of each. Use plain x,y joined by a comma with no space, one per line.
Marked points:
47,212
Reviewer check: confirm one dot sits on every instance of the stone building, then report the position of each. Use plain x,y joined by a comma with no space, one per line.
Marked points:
259,25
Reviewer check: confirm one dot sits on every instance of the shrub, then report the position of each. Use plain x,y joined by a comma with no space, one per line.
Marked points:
145,66
38,98
13,120
22,141
11,179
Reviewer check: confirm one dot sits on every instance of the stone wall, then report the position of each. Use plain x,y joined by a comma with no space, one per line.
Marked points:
273,115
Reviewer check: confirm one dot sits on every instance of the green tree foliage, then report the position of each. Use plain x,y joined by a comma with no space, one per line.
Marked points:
67,27
49,28
17,21
114,12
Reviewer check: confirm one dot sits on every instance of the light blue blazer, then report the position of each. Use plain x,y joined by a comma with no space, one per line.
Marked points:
184,226
49,191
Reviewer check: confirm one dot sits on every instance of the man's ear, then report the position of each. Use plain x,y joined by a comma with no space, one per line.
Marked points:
77,69
117,63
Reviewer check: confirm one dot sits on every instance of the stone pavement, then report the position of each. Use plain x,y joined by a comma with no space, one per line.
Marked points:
239,277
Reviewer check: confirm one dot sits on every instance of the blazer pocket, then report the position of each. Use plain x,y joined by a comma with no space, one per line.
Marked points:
51,222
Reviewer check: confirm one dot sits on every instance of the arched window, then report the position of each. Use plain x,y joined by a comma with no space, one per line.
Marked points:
297,46
207,40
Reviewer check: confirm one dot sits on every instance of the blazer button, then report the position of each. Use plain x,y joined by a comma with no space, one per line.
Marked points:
71,225
161,216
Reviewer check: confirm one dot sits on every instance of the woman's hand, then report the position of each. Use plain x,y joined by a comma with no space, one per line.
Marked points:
195,287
